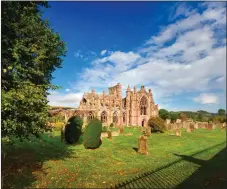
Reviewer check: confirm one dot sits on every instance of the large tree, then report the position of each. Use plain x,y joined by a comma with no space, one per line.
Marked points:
31,51
221,112
164,114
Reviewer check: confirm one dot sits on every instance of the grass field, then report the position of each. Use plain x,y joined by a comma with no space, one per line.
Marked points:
195,160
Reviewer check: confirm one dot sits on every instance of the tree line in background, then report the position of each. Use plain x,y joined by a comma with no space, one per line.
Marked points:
201,115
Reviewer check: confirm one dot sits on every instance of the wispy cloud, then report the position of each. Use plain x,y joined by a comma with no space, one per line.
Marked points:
69,99
207,98
193,60
103,52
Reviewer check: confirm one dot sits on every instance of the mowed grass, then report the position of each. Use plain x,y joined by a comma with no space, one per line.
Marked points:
171,162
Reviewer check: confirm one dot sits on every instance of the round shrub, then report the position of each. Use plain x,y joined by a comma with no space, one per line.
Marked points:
92,134
111,125
73,129
157,124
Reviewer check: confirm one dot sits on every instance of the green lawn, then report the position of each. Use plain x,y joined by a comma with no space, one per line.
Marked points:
196,159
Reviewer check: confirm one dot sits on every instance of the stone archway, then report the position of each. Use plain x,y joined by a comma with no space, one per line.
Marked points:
104,117
143,122
115,118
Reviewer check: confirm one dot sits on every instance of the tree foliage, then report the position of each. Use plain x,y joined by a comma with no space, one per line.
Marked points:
157,124
183,116
221,112
92,134
73,129
31,51
173,116
164,114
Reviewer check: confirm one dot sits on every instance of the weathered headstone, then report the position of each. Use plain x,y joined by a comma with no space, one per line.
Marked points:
167,121
143,145
115,133
141,129
192,127
121,130
189,129
178,121
63,133
109,134
196,126
223,126
209,126
178,132
148,131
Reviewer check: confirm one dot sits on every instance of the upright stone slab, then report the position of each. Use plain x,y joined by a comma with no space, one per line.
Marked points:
141,129
167,121
63,133
121,130
192,127
109,134
196,126
143,145
178,132
148,131
188,129
209,126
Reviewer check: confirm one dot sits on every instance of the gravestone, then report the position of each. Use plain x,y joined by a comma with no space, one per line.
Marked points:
209,127
63,133
223,126
141,129
115,133
109,134
167,121
143,145
178,132
178,121
196,126
189,129
192,127
121,130
148,131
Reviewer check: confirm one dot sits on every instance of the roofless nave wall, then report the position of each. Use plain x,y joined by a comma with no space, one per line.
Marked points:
135,109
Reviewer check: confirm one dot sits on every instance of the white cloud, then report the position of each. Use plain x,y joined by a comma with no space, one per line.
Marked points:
67,100
190,63
78,54
194,20
67,90
206,98
103,52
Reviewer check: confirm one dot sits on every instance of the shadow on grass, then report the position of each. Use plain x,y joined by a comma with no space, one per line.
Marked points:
24,158
167,176
136,149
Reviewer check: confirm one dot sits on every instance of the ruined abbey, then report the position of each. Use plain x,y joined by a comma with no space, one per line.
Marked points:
135,109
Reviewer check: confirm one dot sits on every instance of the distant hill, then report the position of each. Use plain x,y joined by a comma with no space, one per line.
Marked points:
62,107
200,115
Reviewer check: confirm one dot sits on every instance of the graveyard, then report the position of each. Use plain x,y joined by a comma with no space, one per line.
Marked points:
113,95
195,159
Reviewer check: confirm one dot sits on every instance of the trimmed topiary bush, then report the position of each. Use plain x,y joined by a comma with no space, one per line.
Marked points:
92,134
157,124
111,125
73,129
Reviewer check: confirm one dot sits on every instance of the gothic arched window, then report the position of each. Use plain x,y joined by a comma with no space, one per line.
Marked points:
124,117
90,116
115,118
143,106
104,117
84,101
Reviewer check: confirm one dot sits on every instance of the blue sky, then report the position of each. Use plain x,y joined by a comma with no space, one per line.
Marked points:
178,49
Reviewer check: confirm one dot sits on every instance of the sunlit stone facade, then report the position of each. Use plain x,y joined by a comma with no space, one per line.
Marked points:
135,109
